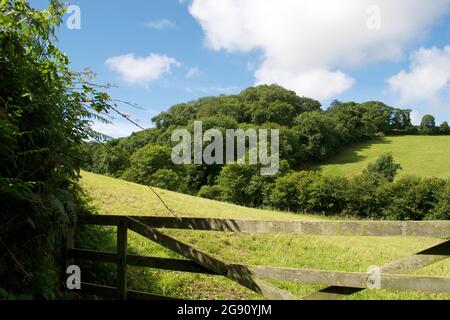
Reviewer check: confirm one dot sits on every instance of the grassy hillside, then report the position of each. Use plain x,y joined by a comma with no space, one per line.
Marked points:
426,156
118,197
328,253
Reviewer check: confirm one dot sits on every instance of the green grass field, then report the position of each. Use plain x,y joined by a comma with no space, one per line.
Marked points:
113,196
425,156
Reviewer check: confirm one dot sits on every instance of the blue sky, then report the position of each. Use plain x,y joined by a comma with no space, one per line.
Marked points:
163,52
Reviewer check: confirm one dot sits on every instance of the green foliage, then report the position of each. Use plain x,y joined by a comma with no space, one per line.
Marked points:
369,195
307,134
146,161
441,210
284,194
384,166
210,192
166,179
444,128
428,125
234,181
412,198
97,238
328,194
365,196
317,134
292,192
45,115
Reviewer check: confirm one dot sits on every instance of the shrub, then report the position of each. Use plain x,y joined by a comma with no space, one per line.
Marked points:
366,195
385,166
166,179
412,198
210,192
146,161
441,210
428,125
292,192
328,194
234,180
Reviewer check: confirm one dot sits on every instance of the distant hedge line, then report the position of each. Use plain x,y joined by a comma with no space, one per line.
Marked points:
373,194
365,196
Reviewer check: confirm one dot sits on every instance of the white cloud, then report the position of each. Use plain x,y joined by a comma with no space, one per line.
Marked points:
428,78
318,83
306,42
192,73
141,70
160,24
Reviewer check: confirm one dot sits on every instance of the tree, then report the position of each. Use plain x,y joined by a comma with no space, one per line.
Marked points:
428,125
284,195
335,103
328,194
384,166
293,191
401,119
441,210
444,128
366,195
146,161
234,181
414,198
317,133
210,192
166,179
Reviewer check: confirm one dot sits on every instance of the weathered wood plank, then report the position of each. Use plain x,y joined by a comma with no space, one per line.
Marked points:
111,293
326,228
349,279
214,264
405,265
419,260
122,251
440,229
141,261
168,264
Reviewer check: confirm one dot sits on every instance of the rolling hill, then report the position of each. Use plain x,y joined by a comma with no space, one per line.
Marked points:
425,156
111,196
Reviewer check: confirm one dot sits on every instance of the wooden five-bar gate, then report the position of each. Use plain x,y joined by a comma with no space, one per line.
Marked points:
393,276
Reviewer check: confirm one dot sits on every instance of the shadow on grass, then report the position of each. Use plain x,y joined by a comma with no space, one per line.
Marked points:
352,154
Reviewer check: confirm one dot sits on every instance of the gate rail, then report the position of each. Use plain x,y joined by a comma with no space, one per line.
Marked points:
340,283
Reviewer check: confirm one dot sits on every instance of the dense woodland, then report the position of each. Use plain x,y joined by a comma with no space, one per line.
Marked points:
308,135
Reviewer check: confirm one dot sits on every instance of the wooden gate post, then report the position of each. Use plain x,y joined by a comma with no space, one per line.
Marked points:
122,259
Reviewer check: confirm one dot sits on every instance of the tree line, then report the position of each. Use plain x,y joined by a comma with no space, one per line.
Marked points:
308,135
